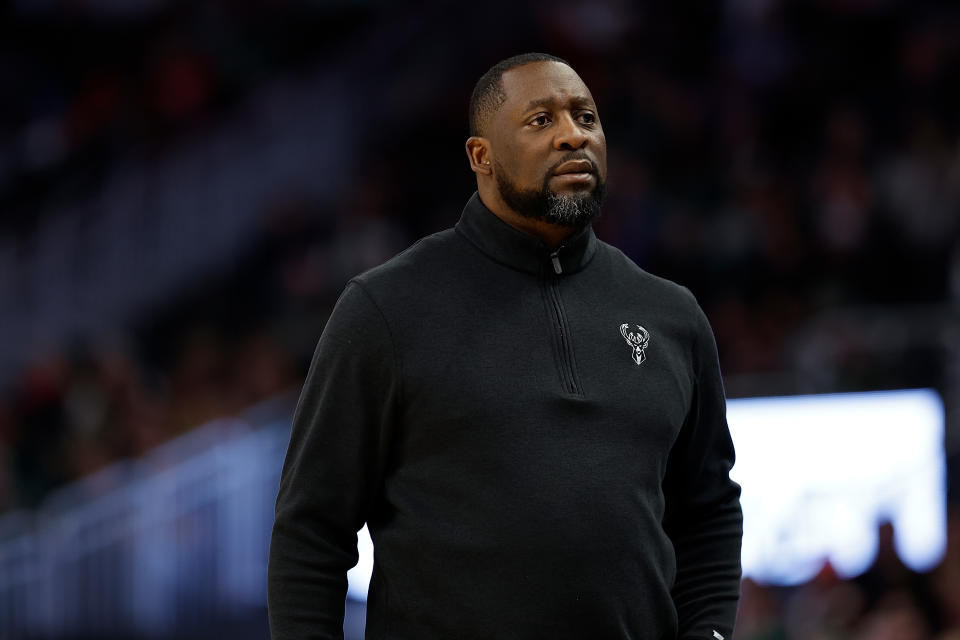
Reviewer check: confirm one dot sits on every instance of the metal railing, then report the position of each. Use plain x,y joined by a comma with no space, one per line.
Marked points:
175,541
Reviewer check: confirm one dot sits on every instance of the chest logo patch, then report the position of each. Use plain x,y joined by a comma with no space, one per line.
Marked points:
638,338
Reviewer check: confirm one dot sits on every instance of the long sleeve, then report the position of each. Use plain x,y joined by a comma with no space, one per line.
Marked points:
332,469
703,516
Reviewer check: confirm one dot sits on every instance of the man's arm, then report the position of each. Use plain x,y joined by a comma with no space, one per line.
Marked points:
332,469
703,517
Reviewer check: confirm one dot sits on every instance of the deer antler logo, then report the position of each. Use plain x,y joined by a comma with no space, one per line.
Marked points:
638,338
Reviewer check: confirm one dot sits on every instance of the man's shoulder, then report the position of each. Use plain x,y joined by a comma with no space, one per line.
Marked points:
669,300
630,274
415,273
431,252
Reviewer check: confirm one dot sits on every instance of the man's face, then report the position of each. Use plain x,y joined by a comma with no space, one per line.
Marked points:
550,155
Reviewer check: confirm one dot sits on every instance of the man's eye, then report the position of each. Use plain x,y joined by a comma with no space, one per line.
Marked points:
540,120
588,118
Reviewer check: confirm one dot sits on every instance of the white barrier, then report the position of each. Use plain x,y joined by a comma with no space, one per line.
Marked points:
177,540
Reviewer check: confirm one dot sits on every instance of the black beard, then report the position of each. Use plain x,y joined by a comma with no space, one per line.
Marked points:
573,211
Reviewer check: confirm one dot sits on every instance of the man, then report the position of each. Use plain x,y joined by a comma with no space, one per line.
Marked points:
532,426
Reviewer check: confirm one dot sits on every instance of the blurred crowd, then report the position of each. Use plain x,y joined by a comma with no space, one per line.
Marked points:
87,84
784,160
77,411
888,602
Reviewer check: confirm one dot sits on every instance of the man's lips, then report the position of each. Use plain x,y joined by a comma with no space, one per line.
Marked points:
574,172
574,167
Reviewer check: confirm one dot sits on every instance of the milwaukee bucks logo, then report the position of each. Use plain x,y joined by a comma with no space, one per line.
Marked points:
638,338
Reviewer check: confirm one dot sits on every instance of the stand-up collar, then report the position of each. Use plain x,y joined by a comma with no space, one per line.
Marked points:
520,250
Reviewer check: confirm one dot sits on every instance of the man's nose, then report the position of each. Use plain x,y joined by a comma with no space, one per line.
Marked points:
570,135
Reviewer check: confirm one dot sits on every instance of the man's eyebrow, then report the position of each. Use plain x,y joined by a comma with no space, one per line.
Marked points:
577,101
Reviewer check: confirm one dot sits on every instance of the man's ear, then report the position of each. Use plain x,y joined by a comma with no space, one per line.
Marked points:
478,152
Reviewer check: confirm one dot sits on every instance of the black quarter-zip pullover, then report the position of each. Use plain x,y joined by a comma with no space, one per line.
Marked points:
537,440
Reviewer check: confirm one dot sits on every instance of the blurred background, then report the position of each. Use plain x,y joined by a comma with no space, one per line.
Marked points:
185,188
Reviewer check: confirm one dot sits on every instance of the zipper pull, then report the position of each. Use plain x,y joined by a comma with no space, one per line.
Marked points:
555,259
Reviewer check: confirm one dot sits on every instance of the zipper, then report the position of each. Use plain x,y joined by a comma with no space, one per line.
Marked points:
568,370
555,259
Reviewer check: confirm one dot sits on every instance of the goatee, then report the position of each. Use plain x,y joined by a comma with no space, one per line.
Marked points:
575,210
